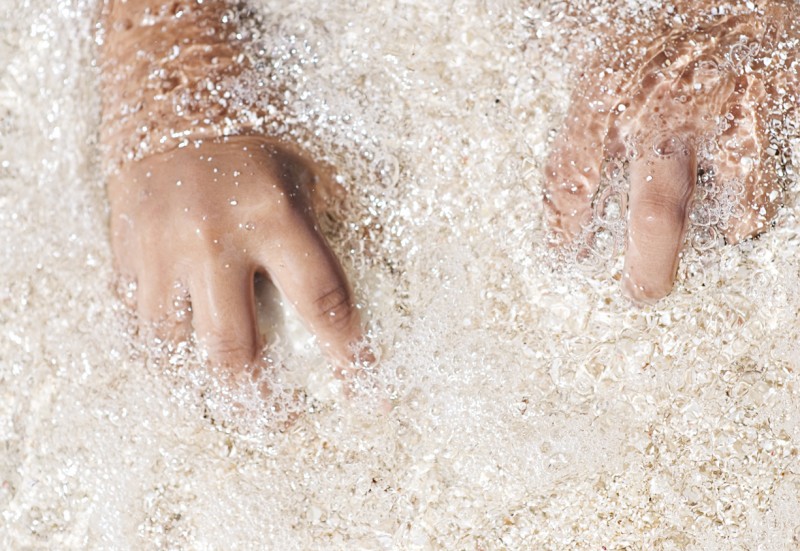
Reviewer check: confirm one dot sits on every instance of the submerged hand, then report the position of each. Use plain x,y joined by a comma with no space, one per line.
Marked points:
715,99
195,216
193,226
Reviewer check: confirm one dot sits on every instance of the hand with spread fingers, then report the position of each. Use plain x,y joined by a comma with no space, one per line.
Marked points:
701,104
201,200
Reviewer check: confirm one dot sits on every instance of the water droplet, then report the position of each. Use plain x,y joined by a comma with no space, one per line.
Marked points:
700,217
123,24
705,238
174,52
229,17
389,168
609,207
605,244
666,146
233,201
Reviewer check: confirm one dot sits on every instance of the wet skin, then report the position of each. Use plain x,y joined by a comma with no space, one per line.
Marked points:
193,226
195,215
713,95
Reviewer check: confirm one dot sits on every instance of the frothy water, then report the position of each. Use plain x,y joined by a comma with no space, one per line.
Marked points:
534,407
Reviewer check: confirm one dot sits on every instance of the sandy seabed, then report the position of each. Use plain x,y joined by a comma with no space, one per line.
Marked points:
534,408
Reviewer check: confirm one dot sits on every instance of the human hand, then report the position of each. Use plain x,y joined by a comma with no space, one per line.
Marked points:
195,215
716,97
193,226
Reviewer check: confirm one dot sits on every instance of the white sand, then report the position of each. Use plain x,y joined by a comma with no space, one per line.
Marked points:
535,409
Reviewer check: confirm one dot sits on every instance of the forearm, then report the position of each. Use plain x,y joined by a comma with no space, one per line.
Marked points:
622,42
167,73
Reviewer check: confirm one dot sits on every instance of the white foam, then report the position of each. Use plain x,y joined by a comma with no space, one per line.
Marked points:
535,408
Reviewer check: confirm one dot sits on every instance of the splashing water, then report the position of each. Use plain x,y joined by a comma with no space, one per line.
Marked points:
534,408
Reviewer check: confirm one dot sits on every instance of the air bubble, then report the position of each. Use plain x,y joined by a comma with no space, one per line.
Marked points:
667,146
613,170
700,216
704,238
174,52
229,17
605,243
610,207
388,167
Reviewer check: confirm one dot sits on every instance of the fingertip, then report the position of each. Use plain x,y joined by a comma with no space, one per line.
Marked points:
353,358
643,293
335,320
649,269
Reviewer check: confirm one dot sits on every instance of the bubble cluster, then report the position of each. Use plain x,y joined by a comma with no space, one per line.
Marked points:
717,85
533,407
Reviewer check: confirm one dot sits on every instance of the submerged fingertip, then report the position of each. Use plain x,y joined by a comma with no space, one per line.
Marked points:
643,295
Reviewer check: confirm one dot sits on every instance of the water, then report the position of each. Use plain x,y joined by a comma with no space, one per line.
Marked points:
534,407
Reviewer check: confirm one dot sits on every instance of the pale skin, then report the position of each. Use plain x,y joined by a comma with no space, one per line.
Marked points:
193,221
195,215
193,226
649,100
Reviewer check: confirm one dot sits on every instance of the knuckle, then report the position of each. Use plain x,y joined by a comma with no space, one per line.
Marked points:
335,308
207,245
285,203
661,209
281,206
205,240
274,208
228,349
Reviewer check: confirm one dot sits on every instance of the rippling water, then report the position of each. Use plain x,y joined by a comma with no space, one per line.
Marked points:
535,408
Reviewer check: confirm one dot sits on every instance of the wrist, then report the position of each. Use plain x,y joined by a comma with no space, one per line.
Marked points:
165,71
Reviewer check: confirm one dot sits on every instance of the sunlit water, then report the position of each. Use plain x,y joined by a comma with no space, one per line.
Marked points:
534,407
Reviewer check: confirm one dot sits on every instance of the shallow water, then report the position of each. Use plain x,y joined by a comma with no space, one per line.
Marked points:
535,408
